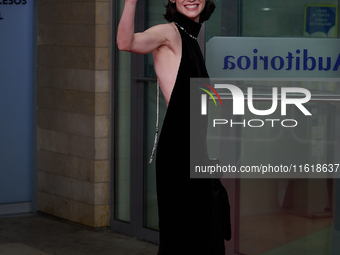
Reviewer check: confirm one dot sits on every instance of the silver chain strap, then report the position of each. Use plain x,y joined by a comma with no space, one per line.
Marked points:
156,134
182,28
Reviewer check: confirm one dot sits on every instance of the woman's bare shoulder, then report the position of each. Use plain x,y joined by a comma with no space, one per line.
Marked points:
169,30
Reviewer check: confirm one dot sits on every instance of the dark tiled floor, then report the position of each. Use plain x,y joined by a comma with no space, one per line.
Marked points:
41,235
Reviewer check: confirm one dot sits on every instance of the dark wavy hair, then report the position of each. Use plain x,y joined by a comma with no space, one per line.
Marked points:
205,14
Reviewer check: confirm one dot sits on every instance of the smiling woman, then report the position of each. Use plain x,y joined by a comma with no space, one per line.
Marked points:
191,9
192,219
205,14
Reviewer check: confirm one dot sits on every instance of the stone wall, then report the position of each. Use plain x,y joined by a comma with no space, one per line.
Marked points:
74,110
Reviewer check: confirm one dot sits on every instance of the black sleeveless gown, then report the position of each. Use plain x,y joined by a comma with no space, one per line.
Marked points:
188,219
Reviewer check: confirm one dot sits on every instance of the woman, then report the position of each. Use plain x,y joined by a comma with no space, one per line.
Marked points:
190,219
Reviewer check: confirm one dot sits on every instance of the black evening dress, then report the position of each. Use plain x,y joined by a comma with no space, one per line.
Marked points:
190,220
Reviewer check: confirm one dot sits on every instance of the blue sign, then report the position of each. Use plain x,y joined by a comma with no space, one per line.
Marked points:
321,20
17,100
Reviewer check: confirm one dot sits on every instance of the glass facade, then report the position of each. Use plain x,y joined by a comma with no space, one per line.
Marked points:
155,9
281,216
296,212
277,18
271,216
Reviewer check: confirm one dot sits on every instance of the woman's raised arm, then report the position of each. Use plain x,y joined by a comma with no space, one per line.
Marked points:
141,43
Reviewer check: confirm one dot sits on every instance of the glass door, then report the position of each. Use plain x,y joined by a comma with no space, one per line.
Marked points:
135,97
283,216
154,15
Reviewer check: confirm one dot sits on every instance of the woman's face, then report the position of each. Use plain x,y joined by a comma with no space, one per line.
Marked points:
190,8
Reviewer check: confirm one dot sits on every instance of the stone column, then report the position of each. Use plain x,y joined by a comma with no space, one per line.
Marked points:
74,110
